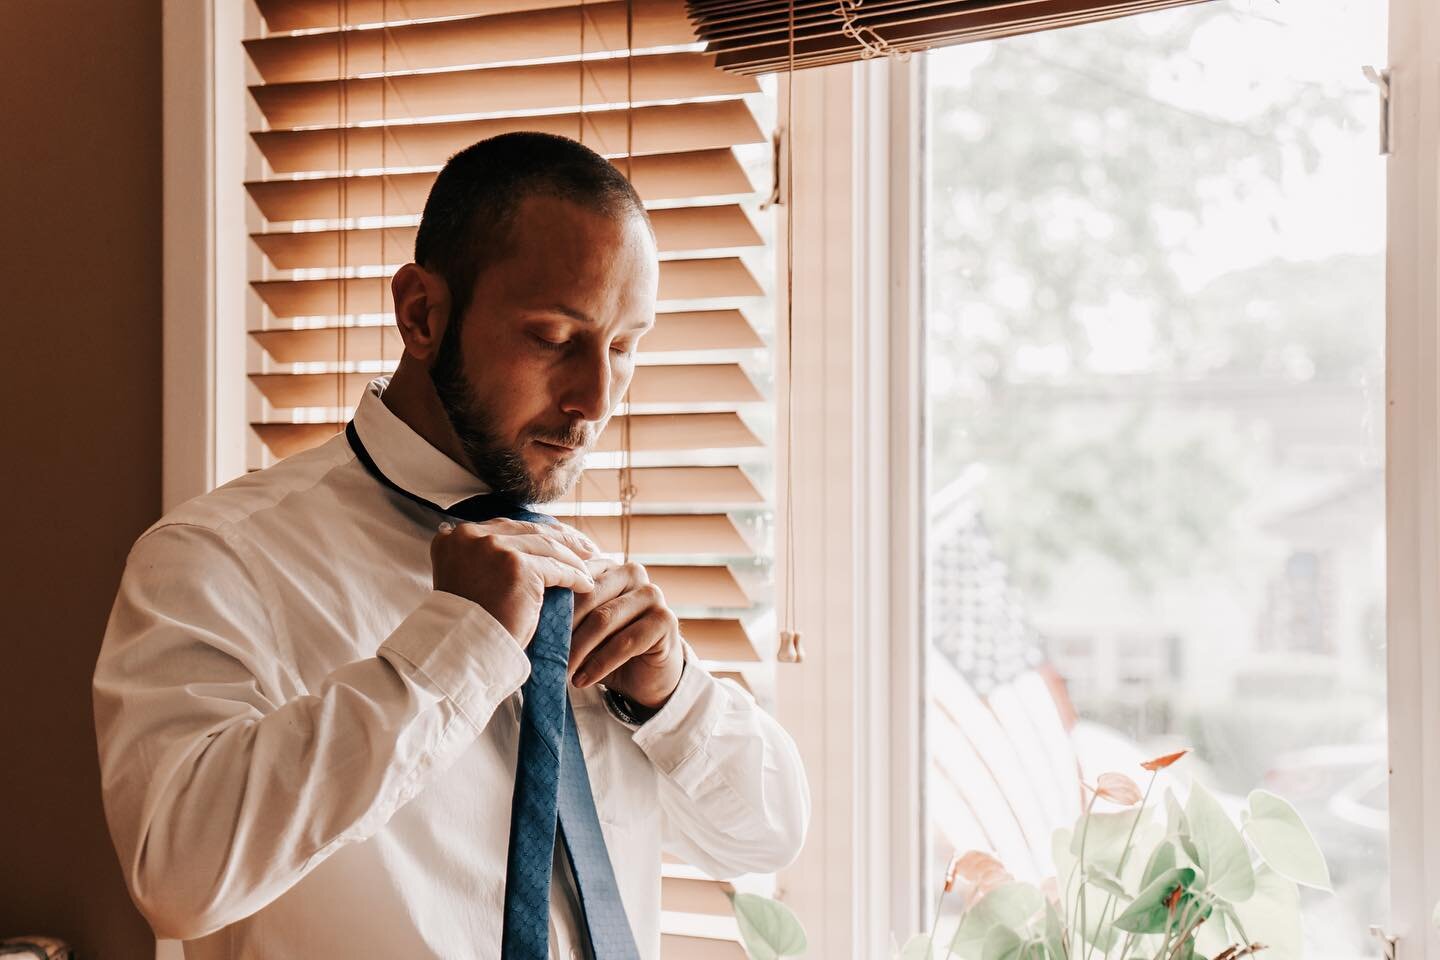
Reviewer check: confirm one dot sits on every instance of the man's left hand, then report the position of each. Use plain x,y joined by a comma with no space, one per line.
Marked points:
625,637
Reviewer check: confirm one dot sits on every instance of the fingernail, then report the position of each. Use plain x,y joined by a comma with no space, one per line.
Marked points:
446,526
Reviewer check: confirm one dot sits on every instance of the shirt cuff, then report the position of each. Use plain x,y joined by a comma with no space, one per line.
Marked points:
455,648
683,725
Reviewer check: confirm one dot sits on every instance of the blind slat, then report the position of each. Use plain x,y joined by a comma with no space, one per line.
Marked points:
673,176
468,41
710,486
689,331
725,383
669,128
709,278
653,432
699,586
724,640
545,86
687,895
676,229
317,14
683,947
754,37
650,533
330,344
680,431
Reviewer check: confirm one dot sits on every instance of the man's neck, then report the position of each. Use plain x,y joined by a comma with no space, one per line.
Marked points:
411,397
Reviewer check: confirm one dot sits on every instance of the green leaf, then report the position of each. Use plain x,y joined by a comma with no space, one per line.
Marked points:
1220,850
1104,840
1054,933
1002,943
1177,827
916,948
769,929
1148,912
1216,934
1271,916
1009,907
1283,841
1161,860
1106,881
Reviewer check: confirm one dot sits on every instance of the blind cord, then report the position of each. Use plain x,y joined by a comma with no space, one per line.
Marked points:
790,650
626,478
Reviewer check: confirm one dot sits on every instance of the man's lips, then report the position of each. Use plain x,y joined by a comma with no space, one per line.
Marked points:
554,445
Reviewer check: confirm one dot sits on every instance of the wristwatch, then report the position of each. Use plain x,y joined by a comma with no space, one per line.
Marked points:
628,711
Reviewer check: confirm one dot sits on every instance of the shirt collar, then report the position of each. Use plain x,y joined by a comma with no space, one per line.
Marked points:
407,458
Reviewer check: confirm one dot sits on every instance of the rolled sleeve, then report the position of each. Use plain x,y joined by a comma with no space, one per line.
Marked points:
454,648
678,731
732,786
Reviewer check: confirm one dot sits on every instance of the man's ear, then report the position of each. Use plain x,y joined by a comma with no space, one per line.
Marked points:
422,310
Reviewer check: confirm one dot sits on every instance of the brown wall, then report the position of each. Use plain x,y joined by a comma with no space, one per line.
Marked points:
79,433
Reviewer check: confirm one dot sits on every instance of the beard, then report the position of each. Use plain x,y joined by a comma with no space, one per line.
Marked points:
501,466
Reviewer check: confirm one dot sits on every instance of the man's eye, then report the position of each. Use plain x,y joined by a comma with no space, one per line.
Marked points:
545,344
621,347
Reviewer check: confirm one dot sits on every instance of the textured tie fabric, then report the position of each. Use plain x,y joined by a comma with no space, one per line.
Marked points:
552,786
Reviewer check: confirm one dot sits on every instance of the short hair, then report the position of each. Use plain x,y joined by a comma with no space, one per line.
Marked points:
470,213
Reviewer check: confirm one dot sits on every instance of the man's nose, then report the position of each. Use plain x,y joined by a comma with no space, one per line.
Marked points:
586,390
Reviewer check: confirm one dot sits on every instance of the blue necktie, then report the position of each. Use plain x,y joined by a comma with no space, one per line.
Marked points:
552,787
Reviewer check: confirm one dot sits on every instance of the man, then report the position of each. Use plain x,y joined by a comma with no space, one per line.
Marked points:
308,701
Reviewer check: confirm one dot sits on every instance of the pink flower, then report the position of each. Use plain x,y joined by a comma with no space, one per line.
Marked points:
1160,763
1117,788
978,869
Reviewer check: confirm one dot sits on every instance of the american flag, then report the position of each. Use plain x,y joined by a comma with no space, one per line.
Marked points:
1003,771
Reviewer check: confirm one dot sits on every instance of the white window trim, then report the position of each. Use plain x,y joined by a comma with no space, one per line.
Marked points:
855,705
203,103
1412,475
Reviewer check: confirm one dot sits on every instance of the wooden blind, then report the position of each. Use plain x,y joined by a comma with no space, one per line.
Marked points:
358,103
753,36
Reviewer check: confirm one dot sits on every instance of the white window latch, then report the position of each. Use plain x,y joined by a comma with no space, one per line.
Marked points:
1387,941
1381,79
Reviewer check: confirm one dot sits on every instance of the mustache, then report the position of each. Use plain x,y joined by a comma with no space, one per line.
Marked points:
575,435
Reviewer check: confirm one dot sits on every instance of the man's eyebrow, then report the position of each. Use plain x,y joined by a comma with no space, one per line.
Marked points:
570,312
583,317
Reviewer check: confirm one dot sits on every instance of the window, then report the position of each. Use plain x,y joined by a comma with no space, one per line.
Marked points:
1155,255
1126,671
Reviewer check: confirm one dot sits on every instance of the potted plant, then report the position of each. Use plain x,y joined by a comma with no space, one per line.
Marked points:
1139,881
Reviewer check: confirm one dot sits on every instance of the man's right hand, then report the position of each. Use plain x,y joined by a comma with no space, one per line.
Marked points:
505,566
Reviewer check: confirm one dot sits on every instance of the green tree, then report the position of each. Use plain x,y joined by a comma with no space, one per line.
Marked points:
1069,171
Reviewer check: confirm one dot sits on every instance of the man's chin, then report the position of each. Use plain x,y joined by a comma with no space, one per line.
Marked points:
554,481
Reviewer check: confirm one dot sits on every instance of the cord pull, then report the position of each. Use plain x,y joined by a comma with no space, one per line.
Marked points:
790,650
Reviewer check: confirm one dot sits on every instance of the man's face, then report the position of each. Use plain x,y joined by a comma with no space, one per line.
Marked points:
546,348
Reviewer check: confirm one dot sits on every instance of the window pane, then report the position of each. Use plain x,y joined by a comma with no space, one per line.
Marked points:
1155,276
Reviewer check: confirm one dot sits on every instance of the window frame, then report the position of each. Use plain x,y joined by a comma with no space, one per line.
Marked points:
1412,476
856,707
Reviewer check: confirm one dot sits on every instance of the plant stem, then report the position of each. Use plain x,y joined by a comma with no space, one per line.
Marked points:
1124,855
935,925
1084,835
1189,931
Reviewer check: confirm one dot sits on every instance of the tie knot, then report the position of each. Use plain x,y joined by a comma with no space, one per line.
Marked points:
491,506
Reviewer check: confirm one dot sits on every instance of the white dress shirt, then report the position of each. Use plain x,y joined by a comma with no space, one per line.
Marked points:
306,751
